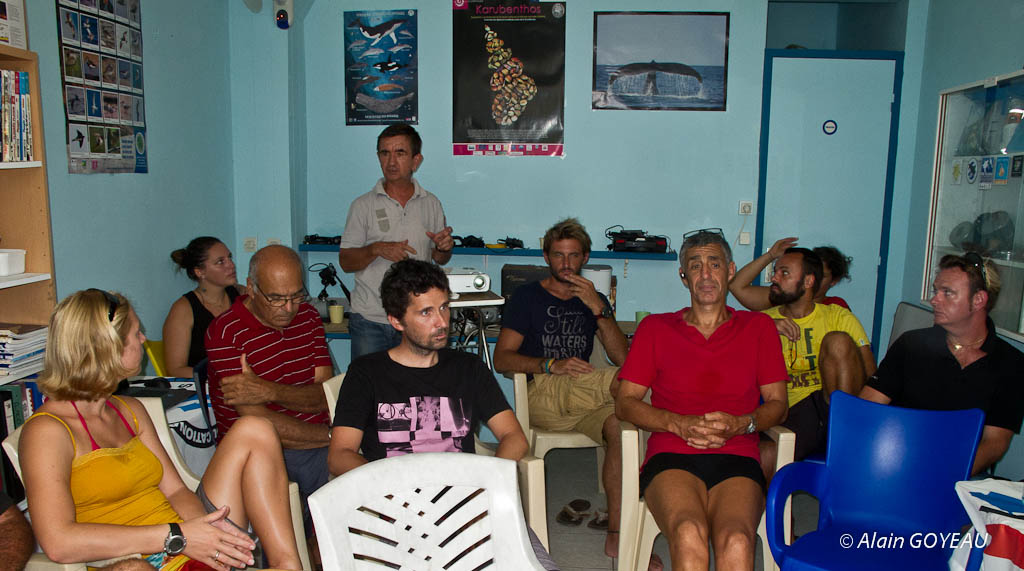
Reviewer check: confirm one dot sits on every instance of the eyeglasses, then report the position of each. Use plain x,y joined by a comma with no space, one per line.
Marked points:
712,231
282,300
974,259
112,301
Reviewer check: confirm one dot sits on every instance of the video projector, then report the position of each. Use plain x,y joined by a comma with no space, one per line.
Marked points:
467,280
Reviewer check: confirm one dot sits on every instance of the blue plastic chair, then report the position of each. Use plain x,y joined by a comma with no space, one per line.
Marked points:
888,474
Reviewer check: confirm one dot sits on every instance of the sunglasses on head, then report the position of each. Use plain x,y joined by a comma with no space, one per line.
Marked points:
111,300
712,231
975,259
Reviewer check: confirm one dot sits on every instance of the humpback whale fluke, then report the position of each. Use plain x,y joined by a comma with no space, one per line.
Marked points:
649,69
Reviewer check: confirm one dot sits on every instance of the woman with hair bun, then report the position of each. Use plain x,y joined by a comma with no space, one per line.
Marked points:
207,261
99,483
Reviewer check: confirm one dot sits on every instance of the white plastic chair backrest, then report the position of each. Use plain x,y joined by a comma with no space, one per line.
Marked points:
11,448
424,511
332,387
155,407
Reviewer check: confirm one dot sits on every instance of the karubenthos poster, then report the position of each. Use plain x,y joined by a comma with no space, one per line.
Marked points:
509,78
661,60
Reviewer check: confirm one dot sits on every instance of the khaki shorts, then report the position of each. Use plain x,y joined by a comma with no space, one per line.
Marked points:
564,402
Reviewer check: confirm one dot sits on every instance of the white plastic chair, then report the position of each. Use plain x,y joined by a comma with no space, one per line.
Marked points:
544,441
531,470
638,529
155,408
426,511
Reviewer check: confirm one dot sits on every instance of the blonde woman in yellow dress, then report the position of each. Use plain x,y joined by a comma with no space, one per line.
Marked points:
100,484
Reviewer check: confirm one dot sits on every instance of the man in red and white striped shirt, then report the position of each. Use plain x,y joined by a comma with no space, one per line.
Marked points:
268,356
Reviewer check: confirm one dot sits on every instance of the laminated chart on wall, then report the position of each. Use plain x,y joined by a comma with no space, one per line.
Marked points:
381,67
509,78
102,78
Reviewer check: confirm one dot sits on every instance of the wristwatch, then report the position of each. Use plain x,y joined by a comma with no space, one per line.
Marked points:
175,542
752,427
605,312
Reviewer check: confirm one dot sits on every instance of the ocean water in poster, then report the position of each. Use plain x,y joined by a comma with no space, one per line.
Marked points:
381,71
508,78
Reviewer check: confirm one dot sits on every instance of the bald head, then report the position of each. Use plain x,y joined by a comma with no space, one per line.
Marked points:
275,286
275,261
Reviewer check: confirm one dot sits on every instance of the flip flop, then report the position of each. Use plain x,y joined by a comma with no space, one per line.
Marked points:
573,512
600,520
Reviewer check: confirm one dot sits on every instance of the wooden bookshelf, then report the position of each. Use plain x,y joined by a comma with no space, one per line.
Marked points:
25,214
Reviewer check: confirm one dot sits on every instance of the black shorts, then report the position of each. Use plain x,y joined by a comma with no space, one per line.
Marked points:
712,469
808,419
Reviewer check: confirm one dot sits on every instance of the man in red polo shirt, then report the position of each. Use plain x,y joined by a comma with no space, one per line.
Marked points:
268,356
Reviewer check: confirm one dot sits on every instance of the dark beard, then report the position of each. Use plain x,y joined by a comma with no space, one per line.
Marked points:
780,297
423,347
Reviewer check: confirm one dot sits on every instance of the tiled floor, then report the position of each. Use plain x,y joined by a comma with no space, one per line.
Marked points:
571,474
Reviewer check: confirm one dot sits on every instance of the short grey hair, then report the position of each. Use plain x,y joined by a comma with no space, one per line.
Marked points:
704,238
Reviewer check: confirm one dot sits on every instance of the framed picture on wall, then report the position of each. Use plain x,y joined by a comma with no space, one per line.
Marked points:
677,61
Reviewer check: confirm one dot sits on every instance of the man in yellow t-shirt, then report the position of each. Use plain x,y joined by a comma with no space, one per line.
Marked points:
824,346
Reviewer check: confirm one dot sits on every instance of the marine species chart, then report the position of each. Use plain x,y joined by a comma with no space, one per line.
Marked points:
381,72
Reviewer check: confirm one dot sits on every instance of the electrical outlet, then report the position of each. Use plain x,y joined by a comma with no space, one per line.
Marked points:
250,244
273,241
746,207
744,238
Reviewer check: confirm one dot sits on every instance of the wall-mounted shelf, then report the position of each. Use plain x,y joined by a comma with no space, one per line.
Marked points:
22,279
21,165
520,252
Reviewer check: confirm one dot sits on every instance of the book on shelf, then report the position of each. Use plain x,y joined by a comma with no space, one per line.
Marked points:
16,116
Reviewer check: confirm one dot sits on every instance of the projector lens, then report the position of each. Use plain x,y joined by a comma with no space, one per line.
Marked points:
479,282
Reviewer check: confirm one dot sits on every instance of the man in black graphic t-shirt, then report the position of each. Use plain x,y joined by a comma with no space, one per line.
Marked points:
418,396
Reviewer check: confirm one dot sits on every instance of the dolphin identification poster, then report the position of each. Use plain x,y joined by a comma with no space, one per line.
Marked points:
508,77
381,78
660,60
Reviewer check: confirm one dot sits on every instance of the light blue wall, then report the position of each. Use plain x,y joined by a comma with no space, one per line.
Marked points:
872,26
666,172
808,24
966,42
116,231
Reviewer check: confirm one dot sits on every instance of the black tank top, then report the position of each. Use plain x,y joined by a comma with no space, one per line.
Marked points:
201,319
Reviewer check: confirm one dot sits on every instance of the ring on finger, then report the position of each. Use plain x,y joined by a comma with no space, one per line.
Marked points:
216,555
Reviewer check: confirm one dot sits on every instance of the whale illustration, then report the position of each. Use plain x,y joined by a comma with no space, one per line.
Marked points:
379,31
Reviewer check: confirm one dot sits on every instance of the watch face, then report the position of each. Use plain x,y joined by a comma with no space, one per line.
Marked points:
175,544
606,312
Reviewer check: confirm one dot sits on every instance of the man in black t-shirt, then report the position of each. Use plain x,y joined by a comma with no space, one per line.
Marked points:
548,332
960,362
418,396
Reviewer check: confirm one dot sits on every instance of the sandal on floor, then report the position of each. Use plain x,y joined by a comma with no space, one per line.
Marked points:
600,521
573,512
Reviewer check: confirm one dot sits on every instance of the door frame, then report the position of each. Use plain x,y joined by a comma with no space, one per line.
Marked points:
890,167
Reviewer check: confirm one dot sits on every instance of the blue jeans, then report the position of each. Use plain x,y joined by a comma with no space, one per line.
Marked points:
370,336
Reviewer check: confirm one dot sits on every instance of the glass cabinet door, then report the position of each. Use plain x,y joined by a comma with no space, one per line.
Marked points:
976,203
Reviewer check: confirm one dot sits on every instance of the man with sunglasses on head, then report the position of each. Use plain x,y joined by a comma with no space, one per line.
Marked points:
715,378
397,219
959,362
267,357
825,348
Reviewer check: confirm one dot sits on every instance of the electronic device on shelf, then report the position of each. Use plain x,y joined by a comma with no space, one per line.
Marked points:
469,241
318,239
467,280
635,241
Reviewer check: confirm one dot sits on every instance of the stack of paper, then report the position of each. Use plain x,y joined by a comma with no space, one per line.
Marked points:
21,350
